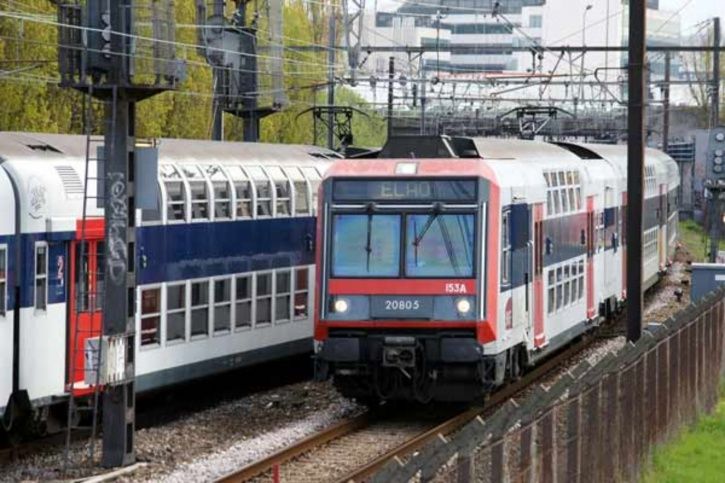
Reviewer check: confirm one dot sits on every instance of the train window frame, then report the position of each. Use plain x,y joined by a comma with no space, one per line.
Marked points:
3,280
281,183
212,172
40,277
304,292
199,179
183,309
239,179
300,190
158,314
256,182
249,299
563,192
199,307
506,248
313,183
216,304
282,295
166,179
268,296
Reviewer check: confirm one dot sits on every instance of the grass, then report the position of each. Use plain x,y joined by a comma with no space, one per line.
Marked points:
696,455
693,237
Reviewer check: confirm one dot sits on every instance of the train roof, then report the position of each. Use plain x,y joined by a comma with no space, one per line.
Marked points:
43,145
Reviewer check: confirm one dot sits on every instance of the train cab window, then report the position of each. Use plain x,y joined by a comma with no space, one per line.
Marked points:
282,191
243,302
314,178
199,309
222,192
41,276
283,296
175,193
222,305
150,316
301,306
302,201
175,312
264,299
264,190
199,192
3,280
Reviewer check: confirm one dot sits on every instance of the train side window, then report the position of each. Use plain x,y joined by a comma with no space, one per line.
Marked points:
263,299
3,280
505,249
552,291
199,193
243,191
302,197
264,190
200,309
222,304
282,191
243,302
41,276
581,279
150,316
175,193
222,192
175,312
314,179
283,295
301,293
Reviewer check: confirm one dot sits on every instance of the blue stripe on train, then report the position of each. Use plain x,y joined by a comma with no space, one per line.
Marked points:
186,251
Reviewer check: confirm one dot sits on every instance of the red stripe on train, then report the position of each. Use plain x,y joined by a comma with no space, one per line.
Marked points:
378,286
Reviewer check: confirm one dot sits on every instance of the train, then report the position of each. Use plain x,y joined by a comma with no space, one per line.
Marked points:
224,266
448,266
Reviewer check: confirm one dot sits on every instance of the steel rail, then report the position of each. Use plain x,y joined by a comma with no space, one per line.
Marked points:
456,422
285,454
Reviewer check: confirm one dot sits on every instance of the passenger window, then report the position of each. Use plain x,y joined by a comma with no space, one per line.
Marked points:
176,312
282,191
264,190
243,315
175,193
222,304
3,280
41,276
150,316
314,179
302,202
222,192
301,307
199,308
199,193
264,299
283,295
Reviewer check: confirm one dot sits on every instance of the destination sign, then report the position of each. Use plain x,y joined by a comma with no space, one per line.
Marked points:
405,190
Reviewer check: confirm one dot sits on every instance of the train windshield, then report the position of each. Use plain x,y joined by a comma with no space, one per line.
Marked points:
366,245
439,245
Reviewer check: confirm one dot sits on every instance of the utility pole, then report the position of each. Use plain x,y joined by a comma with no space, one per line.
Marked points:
103,65
391,75
635,166
666,105
332,34
715,189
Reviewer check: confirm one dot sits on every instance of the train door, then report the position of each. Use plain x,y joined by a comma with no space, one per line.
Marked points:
520,223
610,267
591,248
538,285
86,287
662,222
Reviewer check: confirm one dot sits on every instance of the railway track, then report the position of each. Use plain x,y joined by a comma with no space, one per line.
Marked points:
280,463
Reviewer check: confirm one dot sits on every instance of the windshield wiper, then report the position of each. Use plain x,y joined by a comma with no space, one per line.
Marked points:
369,242
437,208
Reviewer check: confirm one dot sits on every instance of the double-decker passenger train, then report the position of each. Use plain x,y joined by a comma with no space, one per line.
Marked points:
224,265
449,265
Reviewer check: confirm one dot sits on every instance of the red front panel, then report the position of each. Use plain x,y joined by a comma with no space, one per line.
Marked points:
383,286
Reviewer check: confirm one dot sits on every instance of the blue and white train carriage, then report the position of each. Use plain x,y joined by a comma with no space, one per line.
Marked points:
224,265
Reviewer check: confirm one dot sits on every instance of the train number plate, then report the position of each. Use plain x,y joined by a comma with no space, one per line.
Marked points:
401,307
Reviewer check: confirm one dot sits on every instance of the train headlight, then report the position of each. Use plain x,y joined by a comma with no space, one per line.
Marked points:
463,306
718,159
341,306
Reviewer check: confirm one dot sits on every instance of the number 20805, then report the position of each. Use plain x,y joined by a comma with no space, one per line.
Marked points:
402,305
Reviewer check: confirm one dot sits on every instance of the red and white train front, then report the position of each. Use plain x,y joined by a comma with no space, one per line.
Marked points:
401,309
